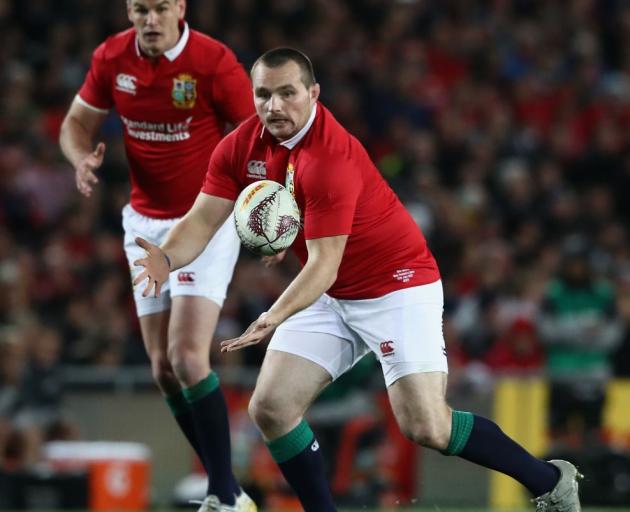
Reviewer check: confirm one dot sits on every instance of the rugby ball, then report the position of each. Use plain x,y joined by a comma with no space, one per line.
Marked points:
267,217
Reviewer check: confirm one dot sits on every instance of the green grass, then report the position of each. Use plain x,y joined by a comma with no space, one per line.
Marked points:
435,508
441,509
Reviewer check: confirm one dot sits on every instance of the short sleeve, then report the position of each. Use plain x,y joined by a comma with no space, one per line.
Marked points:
96,90
221,177
232,89
330,199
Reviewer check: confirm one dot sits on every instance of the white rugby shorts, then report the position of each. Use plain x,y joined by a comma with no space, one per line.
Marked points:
207,276
403,329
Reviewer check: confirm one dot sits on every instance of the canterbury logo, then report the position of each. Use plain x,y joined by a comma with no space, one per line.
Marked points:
315,446
386,348
126,83
186,277
256,169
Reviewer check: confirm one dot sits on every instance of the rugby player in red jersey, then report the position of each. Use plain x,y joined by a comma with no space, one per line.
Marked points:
368,283
175,90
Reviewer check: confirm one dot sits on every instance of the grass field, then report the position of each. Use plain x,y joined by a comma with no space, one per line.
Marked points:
434,508
440,509
437,508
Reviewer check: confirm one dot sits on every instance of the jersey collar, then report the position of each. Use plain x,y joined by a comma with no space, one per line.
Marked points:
293,141
174,52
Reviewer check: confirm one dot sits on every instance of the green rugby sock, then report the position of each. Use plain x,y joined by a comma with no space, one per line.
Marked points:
300,460
487,445
182,412
461,427
210,418
202,388
289,445
177,403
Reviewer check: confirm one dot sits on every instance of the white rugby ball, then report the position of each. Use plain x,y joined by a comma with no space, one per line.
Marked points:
267,217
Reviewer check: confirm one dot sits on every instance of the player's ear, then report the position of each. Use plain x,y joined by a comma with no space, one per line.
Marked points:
182,8
314,92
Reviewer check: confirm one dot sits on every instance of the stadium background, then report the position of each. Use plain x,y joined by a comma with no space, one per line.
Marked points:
503,126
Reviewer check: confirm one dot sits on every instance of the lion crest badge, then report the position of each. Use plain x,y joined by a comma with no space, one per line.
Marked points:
289,182
184,91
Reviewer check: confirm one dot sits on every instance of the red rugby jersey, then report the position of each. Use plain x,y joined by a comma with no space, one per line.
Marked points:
174,112
339,192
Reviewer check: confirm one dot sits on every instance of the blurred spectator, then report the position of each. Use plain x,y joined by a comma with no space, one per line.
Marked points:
517,351
580,326
622,356
30,395
15,450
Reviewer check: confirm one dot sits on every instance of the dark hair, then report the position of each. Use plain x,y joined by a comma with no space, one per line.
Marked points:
280,56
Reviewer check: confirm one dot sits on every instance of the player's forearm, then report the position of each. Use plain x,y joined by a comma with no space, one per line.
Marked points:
188,238
75,140
185,241
314,280
317,276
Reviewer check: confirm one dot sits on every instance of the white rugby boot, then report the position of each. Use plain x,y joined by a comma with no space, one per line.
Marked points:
564,496
243,504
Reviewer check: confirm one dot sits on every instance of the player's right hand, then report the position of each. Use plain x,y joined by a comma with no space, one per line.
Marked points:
84,174
270,261
156,268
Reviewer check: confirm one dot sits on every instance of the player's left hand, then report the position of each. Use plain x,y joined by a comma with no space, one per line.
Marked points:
255,333
156,268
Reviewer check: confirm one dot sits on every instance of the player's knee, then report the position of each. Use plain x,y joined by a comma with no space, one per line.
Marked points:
430,433
266,412
189,366
163,373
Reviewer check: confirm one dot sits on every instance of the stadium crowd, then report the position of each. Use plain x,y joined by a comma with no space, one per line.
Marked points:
504,126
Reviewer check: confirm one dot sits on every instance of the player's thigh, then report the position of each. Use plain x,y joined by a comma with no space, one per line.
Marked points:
287,384
403,329
209,275
192,323
319,334
419,405
154,329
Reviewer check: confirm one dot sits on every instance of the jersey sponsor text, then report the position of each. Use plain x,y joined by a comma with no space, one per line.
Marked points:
158,132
